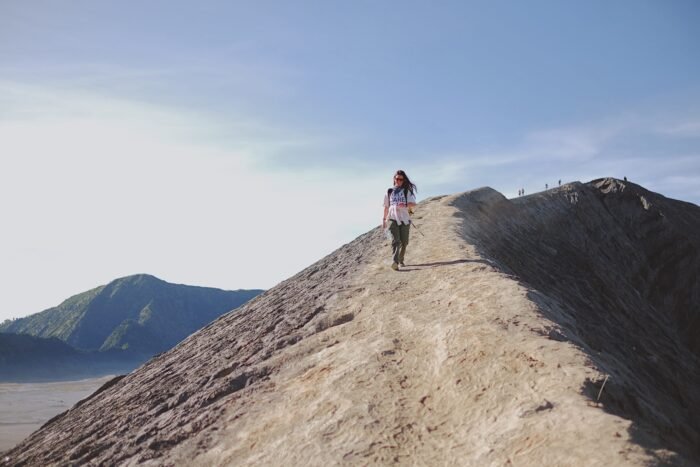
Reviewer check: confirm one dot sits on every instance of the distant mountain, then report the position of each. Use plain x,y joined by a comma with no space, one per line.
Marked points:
28,358
140,315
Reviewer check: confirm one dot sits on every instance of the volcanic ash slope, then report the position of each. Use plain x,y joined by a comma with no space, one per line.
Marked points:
454,360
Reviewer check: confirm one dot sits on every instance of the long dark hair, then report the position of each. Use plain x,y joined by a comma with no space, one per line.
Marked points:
407,182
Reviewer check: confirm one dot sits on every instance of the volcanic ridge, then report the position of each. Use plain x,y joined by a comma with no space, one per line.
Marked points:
558,328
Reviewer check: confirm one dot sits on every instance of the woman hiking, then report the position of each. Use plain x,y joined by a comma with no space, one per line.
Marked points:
399,202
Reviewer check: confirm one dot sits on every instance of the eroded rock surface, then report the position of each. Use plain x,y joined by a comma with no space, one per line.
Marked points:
489,348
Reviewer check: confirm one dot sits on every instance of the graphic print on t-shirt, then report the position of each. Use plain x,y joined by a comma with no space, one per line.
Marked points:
398,198
397,205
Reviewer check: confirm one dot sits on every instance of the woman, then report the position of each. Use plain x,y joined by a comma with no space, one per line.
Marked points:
399,202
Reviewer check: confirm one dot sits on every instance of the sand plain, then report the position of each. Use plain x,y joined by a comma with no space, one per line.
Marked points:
24,407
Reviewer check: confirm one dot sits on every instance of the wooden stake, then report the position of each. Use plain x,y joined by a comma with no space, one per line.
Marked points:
601,388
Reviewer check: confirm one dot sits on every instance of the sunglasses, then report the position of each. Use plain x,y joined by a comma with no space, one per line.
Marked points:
398,178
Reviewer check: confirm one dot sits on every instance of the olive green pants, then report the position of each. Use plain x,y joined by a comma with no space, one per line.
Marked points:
399,239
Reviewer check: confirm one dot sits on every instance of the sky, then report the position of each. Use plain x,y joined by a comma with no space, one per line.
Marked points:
231,144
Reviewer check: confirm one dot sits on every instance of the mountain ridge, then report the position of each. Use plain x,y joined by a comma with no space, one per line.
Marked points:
139,313
511,337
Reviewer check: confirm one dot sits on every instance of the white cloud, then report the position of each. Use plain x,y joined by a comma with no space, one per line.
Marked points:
94,188
627,145
689,129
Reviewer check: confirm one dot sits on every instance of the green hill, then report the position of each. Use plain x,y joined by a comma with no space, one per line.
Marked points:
139,314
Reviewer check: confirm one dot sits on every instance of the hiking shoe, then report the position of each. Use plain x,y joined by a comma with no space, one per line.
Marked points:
394,266
402,265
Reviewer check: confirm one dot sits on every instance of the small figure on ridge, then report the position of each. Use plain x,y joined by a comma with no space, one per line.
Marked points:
399,202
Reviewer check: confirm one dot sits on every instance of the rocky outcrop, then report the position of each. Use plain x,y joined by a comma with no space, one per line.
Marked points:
490,348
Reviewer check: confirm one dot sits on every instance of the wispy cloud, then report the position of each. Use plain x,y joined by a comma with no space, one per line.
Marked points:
629,145
107,187
689,129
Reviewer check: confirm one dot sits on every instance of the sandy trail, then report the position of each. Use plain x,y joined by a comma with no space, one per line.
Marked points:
462,373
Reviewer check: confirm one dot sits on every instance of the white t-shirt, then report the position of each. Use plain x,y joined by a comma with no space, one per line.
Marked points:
398,205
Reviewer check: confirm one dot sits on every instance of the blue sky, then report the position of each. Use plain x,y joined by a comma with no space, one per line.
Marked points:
175,138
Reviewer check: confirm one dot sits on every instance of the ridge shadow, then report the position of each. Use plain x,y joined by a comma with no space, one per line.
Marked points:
436,264
615,267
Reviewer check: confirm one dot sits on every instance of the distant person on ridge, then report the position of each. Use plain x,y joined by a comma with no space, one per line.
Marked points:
399,202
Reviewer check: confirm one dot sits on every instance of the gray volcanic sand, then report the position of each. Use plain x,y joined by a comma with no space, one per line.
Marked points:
24,407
